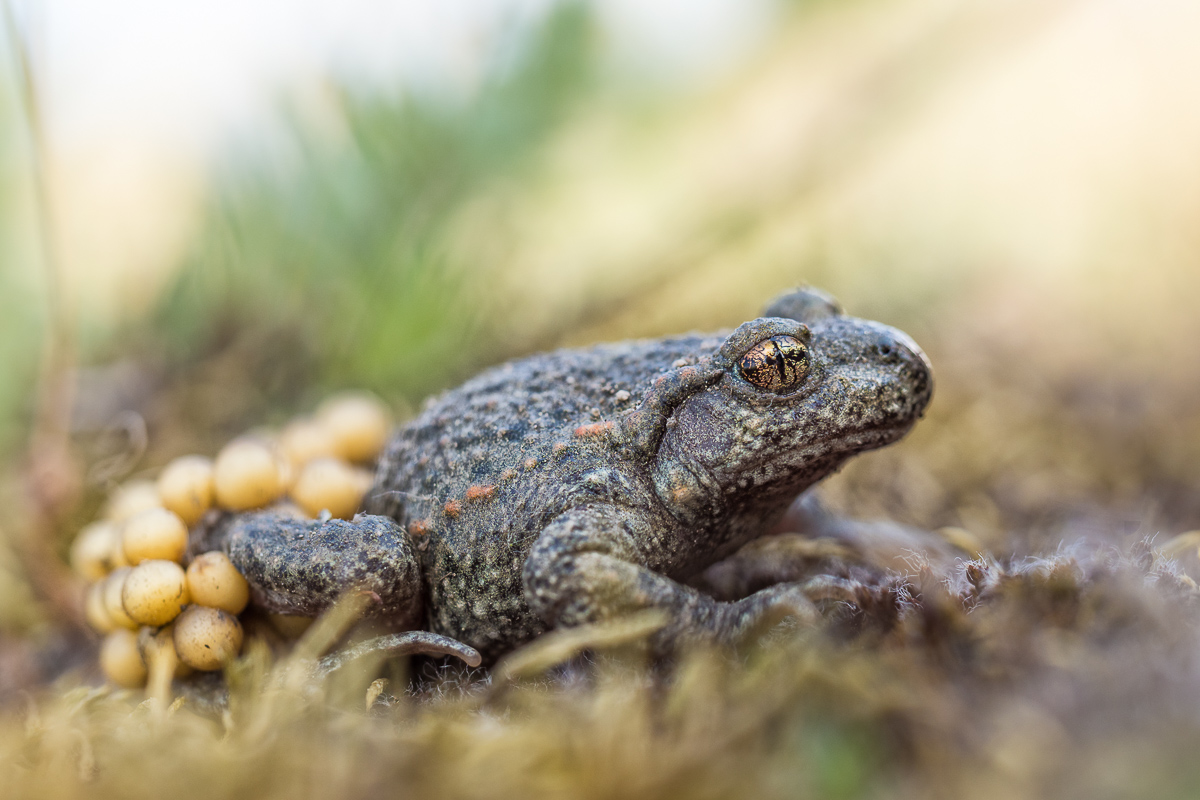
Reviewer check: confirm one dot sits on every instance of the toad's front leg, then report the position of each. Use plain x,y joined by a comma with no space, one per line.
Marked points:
586,567
301,566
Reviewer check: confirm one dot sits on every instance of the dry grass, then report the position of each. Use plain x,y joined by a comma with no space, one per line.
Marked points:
1071,676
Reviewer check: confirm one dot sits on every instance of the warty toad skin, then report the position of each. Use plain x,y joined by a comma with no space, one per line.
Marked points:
579,485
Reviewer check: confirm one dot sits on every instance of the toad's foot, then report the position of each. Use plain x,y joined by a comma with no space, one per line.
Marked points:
882,544
586,568
771,560
401,644
301,566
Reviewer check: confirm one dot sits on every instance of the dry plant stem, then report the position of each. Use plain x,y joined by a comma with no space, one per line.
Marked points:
53,475
400,644
158,684
558,646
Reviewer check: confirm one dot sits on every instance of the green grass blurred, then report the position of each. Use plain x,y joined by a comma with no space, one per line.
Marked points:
21,300
334,237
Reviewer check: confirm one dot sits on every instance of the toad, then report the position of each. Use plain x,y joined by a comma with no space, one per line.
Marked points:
581,485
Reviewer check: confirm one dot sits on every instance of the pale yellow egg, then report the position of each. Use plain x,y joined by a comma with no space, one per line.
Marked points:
213,581
207,638
113,585
332,485
248,473
95,611
155,592
131,499
305,439
120,660
91,552
359,423
186,487
155,534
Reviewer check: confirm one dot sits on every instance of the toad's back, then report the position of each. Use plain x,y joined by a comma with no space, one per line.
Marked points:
498,421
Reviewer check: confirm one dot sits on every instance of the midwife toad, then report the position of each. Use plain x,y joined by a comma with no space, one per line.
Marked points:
579,485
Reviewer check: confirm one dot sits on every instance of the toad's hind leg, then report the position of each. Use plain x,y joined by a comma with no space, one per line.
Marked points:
300,566
586,568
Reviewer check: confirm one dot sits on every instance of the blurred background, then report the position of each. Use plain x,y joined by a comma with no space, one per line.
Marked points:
213,215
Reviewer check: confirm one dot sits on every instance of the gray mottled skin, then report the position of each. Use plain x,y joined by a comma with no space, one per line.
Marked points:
578,485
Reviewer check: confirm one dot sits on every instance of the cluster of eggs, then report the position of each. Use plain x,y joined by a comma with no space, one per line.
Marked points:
158,616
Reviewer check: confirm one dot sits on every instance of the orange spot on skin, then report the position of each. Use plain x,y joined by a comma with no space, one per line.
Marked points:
508,474
418,528
559,447
595,429
480,492
530,463
452,508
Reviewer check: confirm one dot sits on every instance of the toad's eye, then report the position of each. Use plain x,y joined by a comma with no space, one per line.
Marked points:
776,365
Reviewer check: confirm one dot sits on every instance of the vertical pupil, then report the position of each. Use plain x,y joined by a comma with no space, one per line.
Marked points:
780,362
775,364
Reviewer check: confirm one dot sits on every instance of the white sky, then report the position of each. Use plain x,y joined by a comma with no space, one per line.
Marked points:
184,73
139,95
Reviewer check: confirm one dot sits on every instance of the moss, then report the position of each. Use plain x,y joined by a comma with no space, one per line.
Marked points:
1057,677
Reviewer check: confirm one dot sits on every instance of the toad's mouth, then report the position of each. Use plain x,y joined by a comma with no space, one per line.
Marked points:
871,437
851,407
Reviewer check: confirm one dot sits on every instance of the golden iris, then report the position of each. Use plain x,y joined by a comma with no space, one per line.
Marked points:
777,365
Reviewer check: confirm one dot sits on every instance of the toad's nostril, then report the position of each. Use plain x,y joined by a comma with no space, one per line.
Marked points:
904,341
